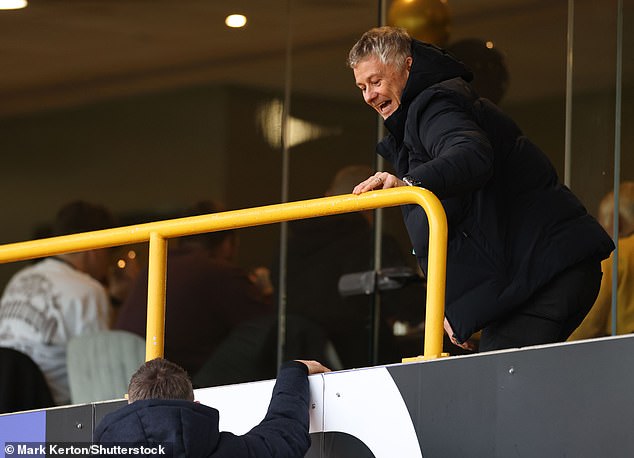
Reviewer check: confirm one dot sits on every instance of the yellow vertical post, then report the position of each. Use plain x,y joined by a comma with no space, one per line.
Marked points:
157,275
436,276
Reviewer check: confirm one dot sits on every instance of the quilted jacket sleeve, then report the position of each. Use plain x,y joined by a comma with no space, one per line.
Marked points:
284,431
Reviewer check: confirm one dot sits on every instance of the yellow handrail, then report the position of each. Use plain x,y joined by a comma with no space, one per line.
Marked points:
157,234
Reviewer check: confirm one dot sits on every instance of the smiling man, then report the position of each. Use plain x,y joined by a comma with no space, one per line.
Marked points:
382,84
523,261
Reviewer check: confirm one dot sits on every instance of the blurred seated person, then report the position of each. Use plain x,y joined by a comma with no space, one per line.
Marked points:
47,303
598,322
320,251
161,411
207,295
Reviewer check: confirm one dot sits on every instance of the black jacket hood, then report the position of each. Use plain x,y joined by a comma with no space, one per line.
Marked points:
430,65
190,429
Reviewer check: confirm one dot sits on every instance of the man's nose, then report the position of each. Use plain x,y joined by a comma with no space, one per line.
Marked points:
369,95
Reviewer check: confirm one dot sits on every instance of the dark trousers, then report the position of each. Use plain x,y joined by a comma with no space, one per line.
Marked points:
551,314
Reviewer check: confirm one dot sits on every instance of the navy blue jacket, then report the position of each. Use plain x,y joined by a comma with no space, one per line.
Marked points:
192,429
512,225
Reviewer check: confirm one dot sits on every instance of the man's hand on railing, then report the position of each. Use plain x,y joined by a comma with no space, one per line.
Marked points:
380,180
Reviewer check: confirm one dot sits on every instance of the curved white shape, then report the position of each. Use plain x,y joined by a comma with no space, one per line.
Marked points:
367,404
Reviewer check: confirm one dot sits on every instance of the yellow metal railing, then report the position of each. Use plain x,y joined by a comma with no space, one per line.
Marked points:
158,233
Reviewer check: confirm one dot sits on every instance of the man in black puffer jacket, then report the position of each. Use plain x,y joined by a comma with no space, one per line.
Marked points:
523,255
161,411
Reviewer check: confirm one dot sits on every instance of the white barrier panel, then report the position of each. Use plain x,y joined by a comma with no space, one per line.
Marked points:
364,403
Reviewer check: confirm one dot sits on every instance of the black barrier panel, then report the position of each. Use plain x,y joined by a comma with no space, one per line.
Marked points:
552,401
70,424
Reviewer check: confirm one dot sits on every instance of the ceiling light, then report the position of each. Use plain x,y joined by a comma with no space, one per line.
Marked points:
236,20
12,4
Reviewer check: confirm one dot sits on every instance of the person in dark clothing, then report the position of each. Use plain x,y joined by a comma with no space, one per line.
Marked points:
523,255
22,383
161,411
207,296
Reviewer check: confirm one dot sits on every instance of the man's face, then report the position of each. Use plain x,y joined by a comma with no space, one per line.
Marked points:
382,84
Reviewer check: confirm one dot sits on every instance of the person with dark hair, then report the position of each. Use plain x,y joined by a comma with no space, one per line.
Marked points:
221,245
160,379
207,295
47,303
523,256
161,412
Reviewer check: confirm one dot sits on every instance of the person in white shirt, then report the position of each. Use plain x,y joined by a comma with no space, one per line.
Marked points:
47,303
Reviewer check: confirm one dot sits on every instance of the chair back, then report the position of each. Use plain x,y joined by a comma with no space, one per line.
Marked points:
100,364
22,383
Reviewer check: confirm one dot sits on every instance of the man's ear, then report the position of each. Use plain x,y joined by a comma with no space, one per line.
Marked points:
408,63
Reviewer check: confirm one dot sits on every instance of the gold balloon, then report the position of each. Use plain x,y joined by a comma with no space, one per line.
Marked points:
426,20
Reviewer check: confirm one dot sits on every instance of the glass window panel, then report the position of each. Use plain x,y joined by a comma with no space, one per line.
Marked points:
331,130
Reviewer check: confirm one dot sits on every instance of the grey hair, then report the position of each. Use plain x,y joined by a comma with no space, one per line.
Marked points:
392,45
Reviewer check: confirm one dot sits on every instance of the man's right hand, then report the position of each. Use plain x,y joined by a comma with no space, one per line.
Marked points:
314,367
